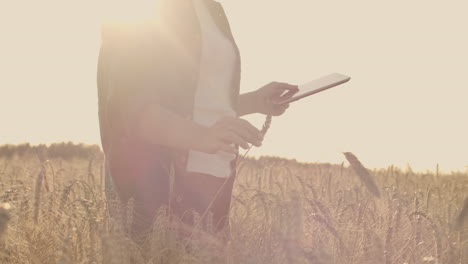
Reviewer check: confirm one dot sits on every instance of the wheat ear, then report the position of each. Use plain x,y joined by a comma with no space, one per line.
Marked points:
363,173
463,215
265,128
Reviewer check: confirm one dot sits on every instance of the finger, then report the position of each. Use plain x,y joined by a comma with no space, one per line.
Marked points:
279,97
240,125
287,87
244,129
279,113
227,148
280,109
246,135
285,106
288,95
231,137
255,132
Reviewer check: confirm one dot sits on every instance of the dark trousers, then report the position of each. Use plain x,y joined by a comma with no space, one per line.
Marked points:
204,196
194,195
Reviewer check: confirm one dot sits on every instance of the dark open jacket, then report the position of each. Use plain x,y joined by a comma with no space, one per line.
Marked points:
149,62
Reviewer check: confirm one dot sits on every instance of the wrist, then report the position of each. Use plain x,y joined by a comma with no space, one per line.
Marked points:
248,103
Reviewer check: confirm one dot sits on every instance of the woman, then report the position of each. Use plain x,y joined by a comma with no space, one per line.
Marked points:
169,103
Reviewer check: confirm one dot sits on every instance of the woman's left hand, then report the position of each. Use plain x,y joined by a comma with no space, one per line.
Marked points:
266,97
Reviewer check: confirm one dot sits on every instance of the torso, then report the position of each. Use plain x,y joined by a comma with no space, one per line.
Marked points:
169,64
212,98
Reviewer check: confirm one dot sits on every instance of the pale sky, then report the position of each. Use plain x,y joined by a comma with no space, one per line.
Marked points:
407,101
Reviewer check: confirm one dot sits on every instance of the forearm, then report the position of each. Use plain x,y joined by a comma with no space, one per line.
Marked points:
158,125
247,104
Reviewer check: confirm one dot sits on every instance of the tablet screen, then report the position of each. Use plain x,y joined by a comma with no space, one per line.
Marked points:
317,86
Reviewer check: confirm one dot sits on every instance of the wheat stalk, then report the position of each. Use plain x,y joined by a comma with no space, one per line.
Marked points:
463,214
37,194
363,173
4,217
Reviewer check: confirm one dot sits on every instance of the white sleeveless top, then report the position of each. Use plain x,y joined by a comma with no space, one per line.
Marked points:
212,97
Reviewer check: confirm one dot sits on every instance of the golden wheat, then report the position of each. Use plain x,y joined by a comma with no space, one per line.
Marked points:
282,212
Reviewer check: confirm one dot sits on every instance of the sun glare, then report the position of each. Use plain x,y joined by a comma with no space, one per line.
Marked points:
129,10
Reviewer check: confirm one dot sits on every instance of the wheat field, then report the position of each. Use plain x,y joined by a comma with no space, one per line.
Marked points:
55,211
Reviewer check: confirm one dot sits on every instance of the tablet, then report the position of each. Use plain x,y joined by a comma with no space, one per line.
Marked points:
317,86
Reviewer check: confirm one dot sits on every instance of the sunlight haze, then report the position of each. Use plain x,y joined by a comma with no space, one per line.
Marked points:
406,102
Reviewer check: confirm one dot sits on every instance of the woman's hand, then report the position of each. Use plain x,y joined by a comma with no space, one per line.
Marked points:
228,131
263,100
271,93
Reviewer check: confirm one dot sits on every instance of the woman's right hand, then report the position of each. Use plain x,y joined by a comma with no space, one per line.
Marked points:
228,131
